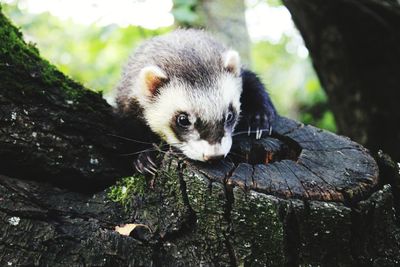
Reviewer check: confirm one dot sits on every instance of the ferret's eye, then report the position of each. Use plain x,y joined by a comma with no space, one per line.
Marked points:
183,120
229,117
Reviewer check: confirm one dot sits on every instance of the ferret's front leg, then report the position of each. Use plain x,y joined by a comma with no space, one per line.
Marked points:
258,112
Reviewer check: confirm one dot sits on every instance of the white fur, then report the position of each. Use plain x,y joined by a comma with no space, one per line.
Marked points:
232,61
160,113
231,88
146,74
208,104
202,150
111,98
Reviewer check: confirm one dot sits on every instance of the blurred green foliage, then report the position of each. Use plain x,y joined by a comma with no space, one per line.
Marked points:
292,83
185,14
92,55
95,56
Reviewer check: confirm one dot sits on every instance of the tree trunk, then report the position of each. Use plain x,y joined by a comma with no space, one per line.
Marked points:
302,196
226,19
52,128
354,45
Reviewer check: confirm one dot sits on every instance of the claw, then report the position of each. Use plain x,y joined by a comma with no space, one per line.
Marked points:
260,134
152,168
137,167
257,133
140,164
149,171
249,131
270,130
151,161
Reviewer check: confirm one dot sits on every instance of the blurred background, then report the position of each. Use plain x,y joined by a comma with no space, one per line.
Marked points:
91,40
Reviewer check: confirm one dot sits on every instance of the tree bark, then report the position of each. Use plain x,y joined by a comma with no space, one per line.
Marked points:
302,196
52,128
354,45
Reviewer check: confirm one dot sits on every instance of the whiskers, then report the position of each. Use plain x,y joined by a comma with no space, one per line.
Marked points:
156,148
258,132
163,148
130,139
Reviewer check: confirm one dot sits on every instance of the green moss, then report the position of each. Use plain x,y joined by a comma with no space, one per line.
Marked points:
259,236
26,63
127,187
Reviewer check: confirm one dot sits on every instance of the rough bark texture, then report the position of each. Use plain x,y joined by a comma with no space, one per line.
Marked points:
302,196
354,45
50,126
193,216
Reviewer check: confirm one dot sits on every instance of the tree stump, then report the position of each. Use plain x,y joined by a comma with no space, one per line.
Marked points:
303,196
354,46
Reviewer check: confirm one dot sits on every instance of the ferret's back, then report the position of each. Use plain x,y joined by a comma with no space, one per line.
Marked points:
180,53
190,55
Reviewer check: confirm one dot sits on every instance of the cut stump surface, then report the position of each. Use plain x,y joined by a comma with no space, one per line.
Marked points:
301,162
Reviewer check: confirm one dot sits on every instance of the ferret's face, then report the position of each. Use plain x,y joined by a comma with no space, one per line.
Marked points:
196,119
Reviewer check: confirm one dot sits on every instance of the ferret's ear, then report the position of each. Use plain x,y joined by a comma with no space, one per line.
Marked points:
231,61
151,79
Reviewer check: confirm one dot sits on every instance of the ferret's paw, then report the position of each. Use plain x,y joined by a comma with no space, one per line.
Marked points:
146,163
257,123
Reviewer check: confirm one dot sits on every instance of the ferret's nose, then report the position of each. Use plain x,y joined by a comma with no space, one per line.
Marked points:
211,158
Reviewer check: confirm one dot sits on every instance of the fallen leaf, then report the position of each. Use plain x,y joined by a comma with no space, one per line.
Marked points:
126,229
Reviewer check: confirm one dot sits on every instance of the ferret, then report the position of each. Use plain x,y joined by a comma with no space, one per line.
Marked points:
191,91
